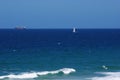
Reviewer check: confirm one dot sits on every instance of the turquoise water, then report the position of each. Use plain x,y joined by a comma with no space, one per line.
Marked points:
60,54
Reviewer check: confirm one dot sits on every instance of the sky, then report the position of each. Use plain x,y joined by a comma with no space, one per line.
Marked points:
60,13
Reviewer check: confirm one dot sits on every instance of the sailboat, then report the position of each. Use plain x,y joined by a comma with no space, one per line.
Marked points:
74,30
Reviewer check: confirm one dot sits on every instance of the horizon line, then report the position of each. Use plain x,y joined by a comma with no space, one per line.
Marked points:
63,28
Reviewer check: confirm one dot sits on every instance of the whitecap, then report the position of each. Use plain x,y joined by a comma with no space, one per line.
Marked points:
108,76
29,75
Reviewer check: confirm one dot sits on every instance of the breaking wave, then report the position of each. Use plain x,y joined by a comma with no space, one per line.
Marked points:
108,76
29,75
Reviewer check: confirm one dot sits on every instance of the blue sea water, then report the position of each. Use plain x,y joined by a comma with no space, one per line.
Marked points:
60,54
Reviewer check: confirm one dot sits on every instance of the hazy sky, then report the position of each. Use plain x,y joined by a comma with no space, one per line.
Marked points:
60,13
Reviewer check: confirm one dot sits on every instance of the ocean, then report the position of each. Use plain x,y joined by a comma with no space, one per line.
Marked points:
60,54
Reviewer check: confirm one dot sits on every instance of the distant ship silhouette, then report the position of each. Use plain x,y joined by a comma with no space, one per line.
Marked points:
20,27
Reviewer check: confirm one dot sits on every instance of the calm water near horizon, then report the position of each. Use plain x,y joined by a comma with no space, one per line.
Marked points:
60,54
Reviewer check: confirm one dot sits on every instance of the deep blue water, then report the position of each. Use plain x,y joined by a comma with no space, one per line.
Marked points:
37,50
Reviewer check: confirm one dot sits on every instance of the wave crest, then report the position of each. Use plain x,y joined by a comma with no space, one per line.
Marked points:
36,74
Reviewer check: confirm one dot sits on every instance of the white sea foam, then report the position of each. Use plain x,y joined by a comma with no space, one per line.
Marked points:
108,76
36,74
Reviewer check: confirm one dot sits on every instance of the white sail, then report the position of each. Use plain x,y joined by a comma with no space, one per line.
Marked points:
74,30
